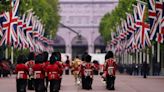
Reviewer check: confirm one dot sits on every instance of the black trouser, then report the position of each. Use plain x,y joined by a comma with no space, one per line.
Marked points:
60,80
0,72
87,82
110,81
145,74
5,73
21,85
46,85
31,84
39,85
67,71
54,85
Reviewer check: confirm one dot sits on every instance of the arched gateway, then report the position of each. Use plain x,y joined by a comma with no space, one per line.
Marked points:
99,45
79,46
59,44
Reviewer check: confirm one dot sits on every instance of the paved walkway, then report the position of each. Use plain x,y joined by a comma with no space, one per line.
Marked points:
124,83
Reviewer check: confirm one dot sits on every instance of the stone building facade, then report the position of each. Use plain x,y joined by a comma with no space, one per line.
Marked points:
84,17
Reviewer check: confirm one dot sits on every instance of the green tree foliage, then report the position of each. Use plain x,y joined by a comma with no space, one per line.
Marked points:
111,20
4,4
46,10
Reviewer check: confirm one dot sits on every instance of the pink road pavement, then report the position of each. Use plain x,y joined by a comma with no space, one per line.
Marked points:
124,83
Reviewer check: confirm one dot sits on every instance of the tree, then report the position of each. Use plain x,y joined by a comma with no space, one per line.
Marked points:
4,5
46,10
111,20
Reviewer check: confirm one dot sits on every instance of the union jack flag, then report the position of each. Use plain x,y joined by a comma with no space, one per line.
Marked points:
28,31
142,31
159,12
1,20
22,41
124,28
10,25
113,41
162,25
130,23
155,18
152,19
121,36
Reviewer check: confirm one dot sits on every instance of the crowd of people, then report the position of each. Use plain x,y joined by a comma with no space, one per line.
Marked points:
40,73
6,68
140,69
36,72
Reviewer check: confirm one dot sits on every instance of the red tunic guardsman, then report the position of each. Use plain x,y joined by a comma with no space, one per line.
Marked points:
67,66
45,64
53,72
110,70
60,64
96,67
39,74
110,67
87,73
30,63
22,74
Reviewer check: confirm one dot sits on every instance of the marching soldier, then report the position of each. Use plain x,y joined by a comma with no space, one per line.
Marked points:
87,73
67,65
60,65
96,67
53,72
75,65
110,70
45,64
22,74
39,74
30,63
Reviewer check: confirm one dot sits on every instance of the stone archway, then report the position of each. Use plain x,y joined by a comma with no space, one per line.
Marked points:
99,45
79,46
59,44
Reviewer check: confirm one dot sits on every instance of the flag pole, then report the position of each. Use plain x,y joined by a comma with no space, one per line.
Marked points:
6,53
144,53
136,57
158,52
140,57
12,55
147,56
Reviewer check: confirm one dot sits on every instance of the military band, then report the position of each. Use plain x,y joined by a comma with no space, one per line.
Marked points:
38,70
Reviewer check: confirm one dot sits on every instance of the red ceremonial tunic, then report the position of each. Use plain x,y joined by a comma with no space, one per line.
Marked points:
30,64
87,69
21,71
53,72
96,67
45,64
39,72
60,67
110,67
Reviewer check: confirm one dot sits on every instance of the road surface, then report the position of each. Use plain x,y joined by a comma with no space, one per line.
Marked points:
124,83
